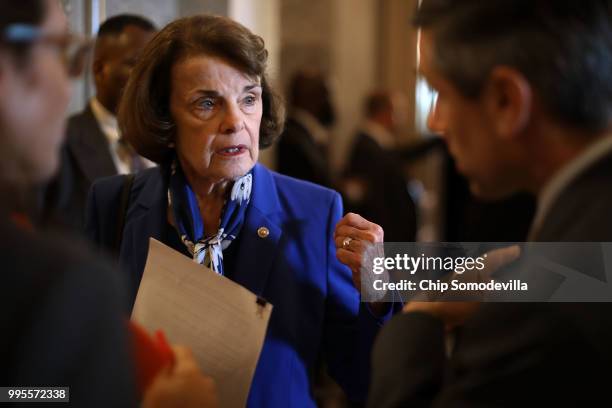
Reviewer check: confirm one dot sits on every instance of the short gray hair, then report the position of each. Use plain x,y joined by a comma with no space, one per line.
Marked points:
562,47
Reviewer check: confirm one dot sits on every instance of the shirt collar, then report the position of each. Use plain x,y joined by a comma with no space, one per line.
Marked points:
562,179
106,120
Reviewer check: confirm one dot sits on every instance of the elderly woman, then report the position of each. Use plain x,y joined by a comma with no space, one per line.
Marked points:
200,105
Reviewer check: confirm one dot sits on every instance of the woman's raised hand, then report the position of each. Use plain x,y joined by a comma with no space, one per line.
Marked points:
354,235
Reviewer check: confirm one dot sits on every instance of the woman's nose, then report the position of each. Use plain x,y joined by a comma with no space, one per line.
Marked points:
233,120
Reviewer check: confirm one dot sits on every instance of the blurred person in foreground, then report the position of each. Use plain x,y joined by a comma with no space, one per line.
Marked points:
303,148
199,104
525,102
61,319
94,147
374,182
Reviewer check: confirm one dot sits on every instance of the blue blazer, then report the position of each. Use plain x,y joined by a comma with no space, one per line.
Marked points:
317,311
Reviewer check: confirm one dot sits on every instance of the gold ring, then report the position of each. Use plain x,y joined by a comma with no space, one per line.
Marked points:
347,242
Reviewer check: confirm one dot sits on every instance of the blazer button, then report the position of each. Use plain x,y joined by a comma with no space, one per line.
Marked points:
263,232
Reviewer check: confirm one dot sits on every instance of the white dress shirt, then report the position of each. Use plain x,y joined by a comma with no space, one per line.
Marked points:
108,124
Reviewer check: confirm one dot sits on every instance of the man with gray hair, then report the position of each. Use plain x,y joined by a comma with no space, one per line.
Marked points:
525,103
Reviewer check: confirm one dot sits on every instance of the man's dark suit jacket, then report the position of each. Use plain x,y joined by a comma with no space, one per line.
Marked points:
299,156
386,200
515,354
61,321
85,158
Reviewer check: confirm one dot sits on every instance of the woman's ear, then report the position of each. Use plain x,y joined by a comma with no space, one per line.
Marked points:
508,99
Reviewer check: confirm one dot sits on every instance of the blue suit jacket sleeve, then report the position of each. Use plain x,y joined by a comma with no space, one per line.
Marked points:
350,327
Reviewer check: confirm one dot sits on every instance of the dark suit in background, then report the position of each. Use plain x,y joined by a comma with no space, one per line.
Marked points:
85,157
302,148
299,156
61,321
470,219
523,354
515,354
466,217
385,198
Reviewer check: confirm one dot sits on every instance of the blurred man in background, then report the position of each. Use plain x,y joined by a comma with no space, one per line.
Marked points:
94,147
303,147
374,183
525,103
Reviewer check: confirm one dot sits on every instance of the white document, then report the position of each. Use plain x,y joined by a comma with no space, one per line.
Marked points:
223,323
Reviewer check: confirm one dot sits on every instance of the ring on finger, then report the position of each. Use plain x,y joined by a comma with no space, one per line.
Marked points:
346,242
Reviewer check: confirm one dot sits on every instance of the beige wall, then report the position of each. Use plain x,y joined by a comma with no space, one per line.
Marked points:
354,61
263,17
397,69
305,36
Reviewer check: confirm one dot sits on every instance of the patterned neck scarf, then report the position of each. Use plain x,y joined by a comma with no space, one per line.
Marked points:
207,247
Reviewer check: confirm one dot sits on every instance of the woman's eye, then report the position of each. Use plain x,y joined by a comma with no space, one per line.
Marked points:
206,104
250,100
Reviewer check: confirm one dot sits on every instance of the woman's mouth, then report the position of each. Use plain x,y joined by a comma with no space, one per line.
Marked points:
230,151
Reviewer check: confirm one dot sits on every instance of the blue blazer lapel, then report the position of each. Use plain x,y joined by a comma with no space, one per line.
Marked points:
257,251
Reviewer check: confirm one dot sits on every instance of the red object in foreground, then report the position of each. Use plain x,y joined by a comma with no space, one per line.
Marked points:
151,355
22,221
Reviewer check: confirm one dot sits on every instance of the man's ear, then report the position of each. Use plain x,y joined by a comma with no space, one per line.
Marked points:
97,67
508,99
